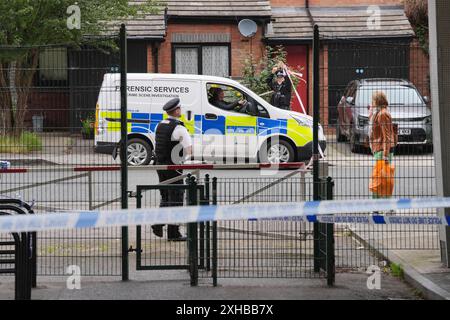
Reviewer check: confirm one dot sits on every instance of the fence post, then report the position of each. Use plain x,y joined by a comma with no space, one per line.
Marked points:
214,234
208,224
91,207
201,238
440,63
192,234
316,115
330,258
124,143
34,260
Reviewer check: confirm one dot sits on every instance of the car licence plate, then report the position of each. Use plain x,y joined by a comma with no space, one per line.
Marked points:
404,132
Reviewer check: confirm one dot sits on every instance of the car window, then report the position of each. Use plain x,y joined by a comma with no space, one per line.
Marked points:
231,97
396,95
262,112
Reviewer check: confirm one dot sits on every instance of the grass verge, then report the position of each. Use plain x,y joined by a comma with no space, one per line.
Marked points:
25,143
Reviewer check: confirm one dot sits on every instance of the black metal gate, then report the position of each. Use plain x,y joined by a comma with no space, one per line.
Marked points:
244,248
154,253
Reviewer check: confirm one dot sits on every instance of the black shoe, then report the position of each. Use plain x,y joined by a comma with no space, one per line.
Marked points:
174,234
178,239
158,230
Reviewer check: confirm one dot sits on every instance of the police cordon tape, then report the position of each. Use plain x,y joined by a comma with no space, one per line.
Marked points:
312,211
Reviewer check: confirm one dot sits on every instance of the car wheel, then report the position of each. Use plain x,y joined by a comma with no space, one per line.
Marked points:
139,152
339,136
277,152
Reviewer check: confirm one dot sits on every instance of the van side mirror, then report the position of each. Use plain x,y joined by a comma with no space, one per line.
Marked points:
426,99
350,100
251,109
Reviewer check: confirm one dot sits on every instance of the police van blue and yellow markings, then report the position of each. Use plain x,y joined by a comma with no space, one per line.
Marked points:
301,135
140,123
268,127
230,125
213,126
241,125
155,118
113,120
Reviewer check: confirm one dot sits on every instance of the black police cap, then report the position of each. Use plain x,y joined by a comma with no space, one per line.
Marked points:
280,73
172,105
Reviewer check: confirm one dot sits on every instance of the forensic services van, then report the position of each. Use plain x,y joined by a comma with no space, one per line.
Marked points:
253,129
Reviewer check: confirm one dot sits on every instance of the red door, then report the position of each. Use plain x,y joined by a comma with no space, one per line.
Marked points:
297,58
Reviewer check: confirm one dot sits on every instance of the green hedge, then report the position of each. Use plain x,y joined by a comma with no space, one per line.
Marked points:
27,142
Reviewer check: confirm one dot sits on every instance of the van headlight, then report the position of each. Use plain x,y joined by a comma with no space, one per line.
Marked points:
427,120
304,122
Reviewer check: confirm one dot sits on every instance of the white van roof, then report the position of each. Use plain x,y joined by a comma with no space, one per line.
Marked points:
150,76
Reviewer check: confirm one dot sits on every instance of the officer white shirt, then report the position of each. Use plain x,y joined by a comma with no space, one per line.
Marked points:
181,134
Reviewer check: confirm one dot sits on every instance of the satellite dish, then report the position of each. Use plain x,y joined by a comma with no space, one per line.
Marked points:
247,28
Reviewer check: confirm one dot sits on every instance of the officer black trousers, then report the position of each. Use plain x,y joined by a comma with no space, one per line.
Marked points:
170,198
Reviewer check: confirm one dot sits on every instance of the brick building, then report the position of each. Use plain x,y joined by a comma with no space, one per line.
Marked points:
202,37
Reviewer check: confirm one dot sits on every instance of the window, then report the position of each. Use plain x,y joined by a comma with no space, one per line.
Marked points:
396,95
211,60
262,112
53,67
186,60
226,98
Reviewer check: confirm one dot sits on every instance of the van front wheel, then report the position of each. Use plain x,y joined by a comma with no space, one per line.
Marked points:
138,152
277,152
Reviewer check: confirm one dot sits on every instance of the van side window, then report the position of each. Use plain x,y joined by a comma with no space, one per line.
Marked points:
226,98
262,112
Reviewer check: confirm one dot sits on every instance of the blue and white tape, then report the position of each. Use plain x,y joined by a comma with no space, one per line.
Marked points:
333,211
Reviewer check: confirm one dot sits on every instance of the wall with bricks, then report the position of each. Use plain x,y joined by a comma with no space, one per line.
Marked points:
241,47
338,3
332,3
53,105
150,61
287,3
419,69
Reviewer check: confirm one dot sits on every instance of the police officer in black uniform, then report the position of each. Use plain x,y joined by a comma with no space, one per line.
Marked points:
173,144
282,88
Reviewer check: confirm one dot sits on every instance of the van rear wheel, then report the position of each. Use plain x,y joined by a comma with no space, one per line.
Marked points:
139,152
276,152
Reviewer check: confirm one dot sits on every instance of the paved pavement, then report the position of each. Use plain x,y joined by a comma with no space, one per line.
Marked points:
174,285
422,267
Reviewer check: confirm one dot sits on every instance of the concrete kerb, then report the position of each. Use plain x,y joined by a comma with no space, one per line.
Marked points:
428,288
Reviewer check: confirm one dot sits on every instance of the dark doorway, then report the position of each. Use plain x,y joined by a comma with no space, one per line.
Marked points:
87,66
137,56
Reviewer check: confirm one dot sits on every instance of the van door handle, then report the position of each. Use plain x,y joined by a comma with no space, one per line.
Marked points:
211,116
189,115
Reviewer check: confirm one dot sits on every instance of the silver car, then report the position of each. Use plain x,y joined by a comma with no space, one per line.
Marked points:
408,108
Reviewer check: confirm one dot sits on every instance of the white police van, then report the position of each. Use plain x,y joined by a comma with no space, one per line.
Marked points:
256,130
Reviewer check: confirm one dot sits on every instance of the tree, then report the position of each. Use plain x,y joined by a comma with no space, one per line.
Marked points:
256,73
417,13
26,25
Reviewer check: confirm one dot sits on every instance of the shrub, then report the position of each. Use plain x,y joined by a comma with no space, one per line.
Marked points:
27,142
417,13
88,126
255,73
